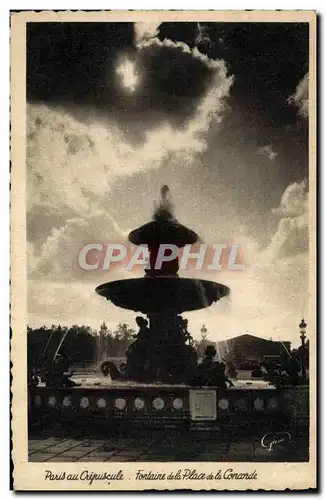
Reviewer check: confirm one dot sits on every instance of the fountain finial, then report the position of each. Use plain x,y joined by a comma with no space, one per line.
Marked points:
164,208
164,227
165,191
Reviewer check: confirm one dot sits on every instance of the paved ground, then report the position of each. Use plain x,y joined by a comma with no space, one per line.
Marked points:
161,446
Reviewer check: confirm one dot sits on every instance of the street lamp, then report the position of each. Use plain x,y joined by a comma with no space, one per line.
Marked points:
303,331
203,332
203,341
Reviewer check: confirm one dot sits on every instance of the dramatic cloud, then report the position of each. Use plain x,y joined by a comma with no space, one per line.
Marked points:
62,150
202,38
294,201
178,81
58,256
300,98
291,236
62,153
142,79
145,31
270,295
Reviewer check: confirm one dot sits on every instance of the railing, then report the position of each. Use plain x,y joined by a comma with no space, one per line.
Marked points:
150,405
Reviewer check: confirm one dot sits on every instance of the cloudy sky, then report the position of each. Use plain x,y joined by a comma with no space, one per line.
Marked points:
218,111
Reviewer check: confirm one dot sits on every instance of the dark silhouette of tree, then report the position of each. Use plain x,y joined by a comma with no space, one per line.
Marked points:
81,343
42,344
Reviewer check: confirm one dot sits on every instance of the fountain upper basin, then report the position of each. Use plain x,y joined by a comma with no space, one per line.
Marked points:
151,295
158,232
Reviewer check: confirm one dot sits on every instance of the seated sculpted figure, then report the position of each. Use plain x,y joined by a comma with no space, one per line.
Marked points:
290,369
59,373
141,354
211,372
143,332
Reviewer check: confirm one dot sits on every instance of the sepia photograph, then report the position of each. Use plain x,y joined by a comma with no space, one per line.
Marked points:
163,205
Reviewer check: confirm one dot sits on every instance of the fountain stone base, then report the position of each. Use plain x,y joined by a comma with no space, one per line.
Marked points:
148,405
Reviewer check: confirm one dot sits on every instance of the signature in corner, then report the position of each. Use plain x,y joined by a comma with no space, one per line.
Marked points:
270,439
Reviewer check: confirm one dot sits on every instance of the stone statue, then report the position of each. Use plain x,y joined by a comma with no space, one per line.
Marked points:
211,372
59,373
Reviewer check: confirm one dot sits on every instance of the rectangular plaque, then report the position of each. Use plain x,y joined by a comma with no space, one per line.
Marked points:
202,404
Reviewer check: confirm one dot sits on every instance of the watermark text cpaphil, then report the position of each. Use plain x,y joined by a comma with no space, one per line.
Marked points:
202,257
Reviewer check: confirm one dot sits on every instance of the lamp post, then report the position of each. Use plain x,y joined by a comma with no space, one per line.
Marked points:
203,341
303,330
203,332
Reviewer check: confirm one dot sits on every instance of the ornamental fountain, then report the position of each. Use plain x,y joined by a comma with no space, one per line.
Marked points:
163,351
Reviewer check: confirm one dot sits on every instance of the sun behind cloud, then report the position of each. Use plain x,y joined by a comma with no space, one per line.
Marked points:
126,69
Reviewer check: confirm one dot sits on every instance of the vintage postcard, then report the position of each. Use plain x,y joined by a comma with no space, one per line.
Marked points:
163,219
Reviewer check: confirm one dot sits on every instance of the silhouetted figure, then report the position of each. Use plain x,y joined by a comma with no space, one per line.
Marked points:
143,332
222,367
59,373
212,373
184,326
140,354
160,356
269,374
109,368
292,368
